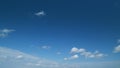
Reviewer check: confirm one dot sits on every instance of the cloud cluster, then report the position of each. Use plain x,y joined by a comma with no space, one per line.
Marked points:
5,32
10,58
85,53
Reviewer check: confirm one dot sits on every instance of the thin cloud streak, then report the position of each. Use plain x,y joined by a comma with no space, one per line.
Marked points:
5,32
41,13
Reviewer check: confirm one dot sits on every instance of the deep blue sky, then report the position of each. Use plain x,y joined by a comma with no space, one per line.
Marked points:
61,9
90,24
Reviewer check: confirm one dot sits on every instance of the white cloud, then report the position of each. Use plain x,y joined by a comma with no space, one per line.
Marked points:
19,56
74,50
96,54
87,54
117,49
74,56
92,56
65,58
41,13
15,59
5,32
99,55
82,50
46,47
7,60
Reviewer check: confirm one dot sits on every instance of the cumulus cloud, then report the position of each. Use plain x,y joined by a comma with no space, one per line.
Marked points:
82,50
93,55
74,50
117,49
5,32
87,54
41,13
10,58
72,57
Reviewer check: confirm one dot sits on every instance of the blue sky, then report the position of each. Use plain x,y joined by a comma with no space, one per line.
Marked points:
62,31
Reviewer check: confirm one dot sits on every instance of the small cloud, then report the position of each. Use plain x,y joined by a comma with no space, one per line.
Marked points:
116,49
5,32
65,58
92,56
74,57
45,47
19,56
41,13
76,50
99,55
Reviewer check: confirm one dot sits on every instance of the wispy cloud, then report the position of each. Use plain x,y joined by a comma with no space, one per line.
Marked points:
118,41
45,47
117,49
5,32
41,13
10,58
58,53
